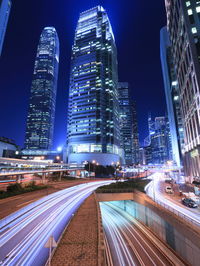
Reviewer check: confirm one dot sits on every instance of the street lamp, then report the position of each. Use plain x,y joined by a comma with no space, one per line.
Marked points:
59,149
88,168
94,162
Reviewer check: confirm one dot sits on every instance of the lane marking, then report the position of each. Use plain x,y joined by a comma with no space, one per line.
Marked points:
25,203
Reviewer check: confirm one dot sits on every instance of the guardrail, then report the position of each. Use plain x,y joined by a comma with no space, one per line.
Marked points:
128,190
20,172
187,219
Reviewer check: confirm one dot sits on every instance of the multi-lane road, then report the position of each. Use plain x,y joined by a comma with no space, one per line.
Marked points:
153,190
24,234
130,243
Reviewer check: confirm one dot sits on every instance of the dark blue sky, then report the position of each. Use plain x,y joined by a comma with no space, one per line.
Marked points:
136,25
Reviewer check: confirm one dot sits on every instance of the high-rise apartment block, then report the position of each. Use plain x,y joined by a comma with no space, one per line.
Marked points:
41,113
184,31
93,115
5,6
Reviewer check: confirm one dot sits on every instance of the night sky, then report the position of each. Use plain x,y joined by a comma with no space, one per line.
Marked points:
136,25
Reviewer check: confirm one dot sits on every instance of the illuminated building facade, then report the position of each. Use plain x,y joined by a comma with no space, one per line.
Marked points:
184,32
126,121
93,110
41,113
157,145
135,134
128,124
160,141
172,97
5,6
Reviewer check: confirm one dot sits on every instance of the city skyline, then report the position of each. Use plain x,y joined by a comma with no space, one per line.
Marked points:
60,133
100,132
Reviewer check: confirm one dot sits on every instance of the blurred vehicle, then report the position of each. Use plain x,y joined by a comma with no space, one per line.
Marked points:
189,203
169,190
169,180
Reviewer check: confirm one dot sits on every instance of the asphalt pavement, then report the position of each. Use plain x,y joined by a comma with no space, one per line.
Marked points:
153,190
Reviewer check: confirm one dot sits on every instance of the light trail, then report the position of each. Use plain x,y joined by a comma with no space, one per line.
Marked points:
122,253
152,189
130,243
22,240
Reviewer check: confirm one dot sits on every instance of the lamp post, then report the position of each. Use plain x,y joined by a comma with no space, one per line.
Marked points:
89,168
94,165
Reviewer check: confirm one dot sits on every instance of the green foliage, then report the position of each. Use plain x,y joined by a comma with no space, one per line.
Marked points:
129,185
90,167
100,170
16,189
68,177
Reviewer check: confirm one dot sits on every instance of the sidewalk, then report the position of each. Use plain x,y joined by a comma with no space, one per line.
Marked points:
79,244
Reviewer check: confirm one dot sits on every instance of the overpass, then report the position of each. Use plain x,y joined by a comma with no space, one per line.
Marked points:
45,173
38,163
30,167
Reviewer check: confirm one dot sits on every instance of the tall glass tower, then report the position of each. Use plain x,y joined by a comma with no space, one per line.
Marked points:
161,141
5,6
93,121
128,124
41,114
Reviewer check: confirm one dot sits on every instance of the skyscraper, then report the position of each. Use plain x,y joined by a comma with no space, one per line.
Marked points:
172,96
5,6
135,134
41,113
184,32
126,121
93,122
128,124
160,141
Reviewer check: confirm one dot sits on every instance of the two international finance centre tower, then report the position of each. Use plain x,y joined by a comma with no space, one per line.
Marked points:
93,131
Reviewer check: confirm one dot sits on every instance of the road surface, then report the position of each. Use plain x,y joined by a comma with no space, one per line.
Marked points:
130,243
153,190
24,234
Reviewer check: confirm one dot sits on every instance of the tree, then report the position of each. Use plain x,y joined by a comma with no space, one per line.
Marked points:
89,167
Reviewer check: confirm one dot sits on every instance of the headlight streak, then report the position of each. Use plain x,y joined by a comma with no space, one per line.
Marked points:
135,234
39,232
117,239
120,245
141,245
6,236
27,248
28,256
152,189
31,208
